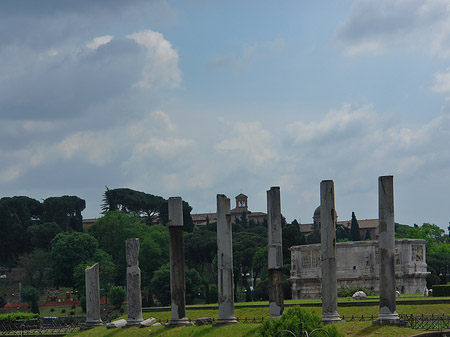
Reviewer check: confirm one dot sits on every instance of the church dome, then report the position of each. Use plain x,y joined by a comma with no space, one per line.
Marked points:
317,212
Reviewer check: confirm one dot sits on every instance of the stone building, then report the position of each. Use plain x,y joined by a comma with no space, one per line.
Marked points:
358,264
367,227
201,219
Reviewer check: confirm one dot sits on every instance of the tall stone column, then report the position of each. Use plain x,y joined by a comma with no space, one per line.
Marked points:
134,298
386,246
93,317
177,264
225,262
328,250
275,258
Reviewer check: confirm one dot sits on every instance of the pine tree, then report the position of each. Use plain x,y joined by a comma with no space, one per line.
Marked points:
354,229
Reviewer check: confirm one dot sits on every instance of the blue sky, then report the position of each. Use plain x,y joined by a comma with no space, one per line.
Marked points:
196,98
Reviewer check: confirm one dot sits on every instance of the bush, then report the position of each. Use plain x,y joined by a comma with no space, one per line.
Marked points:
72,313
349,291
116,296
11,317
83,303
441,290
73,306
63,311
290,320
52,309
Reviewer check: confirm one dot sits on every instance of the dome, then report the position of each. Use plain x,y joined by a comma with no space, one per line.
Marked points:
317,212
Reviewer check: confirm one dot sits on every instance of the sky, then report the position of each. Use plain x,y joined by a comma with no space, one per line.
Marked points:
198,98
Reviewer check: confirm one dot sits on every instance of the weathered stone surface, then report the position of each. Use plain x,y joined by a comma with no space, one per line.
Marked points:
93,296
134,298
425,292
275,252
225,262
177,264
358,265
359,295
117,324
148,322
328,252
386,242
203,321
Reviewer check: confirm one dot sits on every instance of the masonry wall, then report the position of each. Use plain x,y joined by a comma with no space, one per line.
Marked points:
358,264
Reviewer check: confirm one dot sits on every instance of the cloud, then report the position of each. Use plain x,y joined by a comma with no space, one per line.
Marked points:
35,87
163,60
250,54
442,83
251,142
375,27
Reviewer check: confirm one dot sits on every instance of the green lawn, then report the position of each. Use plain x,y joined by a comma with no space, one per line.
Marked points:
354,328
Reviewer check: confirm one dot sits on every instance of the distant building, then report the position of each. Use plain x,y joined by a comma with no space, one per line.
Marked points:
358,263
201,219
365,226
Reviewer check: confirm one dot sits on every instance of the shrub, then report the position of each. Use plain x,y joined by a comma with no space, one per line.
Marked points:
63,311
441,290
73,306
12,316
72,313
52,309
117,296
290,320
350,290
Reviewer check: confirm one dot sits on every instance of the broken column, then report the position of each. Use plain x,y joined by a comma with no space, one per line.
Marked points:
275,258
328,250
93,317
134,298
225,262
177,263
386,246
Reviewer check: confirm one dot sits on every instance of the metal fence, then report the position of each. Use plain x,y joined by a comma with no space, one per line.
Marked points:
43,326
424,322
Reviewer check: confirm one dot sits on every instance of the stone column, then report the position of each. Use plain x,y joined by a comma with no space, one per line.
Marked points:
328,250
177,264
275,258
93,317
225,262
386,246
134,298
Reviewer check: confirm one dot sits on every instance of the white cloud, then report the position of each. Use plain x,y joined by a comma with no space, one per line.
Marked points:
375,27
442,82
99,41
347,122
163,60
251,142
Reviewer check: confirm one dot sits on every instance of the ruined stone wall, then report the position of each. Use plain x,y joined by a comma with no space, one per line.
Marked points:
358,264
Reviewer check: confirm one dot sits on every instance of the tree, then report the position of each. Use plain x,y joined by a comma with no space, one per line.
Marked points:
291,237
30,295
68,250
161,281
127,200
117,296
65,211
16,215
354,229
36,265
42,234
2,300
111,232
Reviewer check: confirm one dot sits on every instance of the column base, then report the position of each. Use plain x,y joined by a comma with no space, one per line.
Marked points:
225,321
330,318
387,319
179,322
90,325
133,323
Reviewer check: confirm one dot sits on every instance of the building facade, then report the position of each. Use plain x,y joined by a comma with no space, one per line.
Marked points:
358,264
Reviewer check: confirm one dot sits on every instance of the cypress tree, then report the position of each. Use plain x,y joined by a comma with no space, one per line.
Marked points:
354,229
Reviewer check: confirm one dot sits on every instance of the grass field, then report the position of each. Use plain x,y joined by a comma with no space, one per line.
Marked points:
354,328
